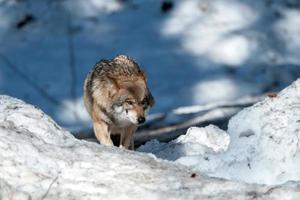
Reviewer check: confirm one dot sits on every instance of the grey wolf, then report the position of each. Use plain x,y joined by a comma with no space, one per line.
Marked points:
117,99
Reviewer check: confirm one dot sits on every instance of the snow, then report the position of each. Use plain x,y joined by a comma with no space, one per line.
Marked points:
261,144
210,41
91,8
40,160
288,29
223,88
185,51
196,141
269,134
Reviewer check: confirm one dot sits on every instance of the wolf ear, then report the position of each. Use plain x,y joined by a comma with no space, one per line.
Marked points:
143,75
151,99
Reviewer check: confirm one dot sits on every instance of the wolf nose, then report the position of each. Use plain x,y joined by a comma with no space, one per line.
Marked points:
141,120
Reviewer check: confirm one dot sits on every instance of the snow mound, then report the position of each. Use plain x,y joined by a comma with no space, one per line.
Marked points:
196,141
264,143
265,140
39,160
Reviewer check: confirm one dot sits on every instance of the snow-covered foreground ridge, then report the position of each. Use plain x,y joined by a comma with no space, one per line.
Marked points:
264,143
39,160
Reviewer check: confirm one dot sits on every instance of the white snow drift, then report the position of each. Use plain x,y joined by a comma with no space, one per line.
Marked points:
264,143
39,160
196,141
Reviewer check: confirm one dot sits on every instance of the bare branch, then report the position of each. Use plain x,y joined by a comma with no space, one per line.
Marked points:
49,188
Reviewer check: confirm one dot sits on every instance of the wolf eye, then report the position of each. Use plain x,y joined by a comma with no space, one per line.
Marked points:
144,103
129,102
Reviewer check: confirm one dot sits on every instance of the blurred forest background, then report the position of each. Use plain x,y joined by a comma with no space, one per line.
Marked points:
195,52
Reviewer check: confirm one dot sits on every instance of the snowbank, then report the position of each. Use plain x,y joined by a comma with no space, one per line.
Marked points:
39,160
265,140
264,143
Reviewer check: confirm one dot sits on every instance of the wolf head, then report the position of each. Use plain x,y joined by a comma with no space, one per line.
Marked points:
131,103
132,98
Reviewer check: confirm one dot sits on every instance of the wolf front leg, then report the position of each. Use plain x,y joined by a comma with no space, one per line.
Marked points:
126,139
102,133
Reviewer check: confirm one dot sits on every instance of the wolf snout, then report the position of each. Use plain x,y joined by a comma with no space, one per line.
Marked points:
141,120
